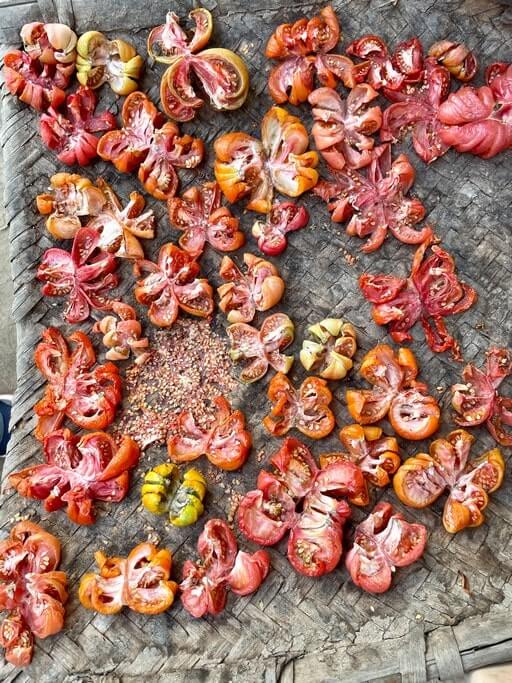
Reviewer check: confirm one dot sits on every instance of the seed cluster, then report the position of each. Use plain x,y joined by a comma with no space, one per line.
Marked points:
189,366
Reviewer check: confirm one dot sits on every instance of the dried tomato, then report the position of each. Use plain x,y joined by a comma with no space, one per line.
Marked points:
422,479
432,292
140,582
76,389
396,393
259,289
476,400
78,471
245,166
226,443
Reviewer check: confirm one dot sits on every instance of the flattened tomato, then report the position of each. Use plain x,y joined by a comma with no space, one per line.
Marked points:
383,541
36,84
70,133
76,389
139,581
245,166
259,289
172,284
342,127
329,354
221,566
377,201
422,479
226,443
412,412
476,400
283,217
78,471
261,349
432,292
122,336
154,147
199,214
31,589
479,120
85,275
306,409
418,110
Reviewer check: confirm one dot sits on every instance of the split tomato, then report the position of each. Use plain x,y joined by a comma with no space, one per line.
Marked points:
70,133
199,214
432,292
49,43
422,479
31,589
70,198
78,471
377,201
456,57
382,542
396,393
245,166
123,335
342,128
221,566
385,70
304,49
222,73
283,217
86,394
261,349
300,498
153,147
140,582
306,409
85,275
476,400
329,353
418,110
479,120
226,442
172,284
259,289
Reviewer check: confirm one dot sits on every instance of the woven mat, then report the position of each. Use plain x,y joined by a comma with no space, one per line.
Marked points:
294,628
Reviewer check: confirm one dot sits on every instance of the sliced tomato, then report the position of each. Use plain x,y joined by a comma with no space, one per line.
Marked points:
456,57
383,541
413,415
284,217
36,84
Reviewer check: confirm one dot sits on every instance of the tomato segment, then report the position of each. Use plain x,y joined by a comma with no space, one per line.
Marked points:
432,292
226,443
306,409
283,217
422,479
31,589
476,400
115,62
122,336
86,393
456,57
221,566
329,353
382,542
396,393
140,582
268,512
78,471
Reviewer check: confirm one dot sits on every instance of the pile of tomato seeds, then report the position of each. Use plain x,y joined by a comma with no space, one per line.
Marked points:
175,392
188,367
